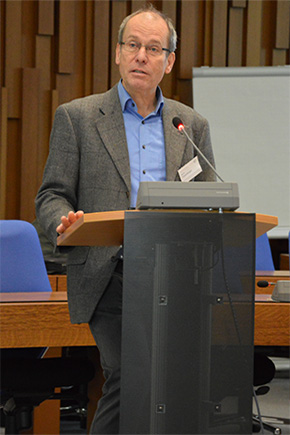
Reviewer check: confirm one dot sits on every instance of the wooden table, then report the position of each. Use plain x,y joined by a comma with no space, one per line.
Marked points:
39,320
272,276
42,319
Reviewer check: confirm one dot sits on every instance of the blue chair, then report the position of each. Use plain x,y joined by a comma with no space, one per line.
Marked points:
264,259
26,378
21,260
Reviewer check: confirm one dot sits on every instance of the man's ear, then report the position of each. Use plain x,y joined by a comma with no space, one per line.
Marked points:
118,53
170,62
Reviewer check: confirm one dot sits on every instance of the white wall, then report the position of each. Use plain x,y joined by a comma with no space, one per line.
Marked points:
248,109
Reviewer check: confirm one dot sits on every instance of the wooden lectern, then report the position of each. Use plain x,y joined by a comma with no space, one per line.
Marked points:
188,316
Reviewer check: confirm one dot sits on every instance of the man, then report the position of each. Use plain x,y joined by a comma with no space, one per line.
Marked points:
101,147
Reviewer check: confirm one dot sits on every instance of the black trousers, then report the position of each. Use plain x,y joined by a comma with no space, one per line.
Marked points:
105,326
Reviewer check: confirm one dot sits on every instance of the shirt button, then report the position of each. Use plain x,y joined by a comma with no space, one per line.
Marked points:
143,122
143,146
144,172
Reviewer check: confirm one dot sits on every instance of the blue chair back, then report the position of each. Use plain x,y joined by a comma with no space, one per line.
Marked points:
264,259
22,267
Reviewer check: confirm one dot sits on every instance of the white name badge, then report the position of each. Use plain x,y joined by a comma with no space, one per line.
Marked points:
190,170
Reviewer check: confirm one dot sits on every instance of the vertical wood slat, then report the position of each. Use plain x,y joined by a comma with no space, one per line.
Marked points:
3,149
2,30
254,28
268,32
46,17
88,79
43,64
43,59
119,12
28,32
219,45
13,167
135,5
208,29
101,49
239,3
282,24
191,37
66,36
13,41
279,57
29,139
235,46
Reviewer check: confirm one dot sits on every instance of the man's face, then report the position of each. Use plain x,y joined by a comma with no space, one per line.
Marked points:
141,72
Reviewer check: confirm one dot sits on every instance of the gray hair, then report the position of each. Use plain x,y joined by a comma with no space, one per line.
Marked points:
153,10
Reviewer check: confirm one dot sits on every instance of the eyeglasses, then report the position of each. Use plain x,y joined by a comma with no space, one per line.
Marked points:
152,50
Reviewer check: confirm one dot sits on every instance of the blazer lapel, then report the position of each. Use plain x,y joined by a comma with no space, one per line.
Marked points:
175,144
111,128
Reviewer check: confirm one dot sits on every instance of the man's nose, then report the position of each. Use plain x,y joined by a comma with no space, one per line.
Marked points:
142,55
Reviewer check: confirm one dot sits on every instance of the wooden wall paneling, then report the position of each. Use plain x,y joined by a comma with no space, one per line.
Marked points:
191,50
279,57
13,41
167,84
29,139
220,23
208,32
46,17
119,12
13,168
254,34
29,30
239,3
72,85
235,45
43,59
169,9
268,31
282,24
2,39
43,64
101,48
3,150
184,91
88,67
135,5
66,41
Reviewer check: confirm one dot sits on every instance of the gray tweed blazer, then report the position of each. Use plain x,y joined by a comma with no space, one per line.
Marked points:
88,169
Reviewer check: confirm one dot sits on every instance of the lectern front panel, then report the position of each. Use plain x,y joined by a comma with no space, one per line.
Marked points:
188,308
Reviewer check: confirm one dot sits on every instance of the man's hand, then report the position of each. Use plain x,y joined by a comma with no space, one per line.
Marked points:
67,221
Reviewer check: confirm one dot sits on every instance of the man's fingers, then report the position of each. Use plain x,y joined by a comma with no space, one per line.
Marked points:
67,221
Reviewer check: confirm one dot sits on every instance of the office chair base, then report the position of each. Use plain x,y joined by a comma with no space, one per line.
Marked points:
257,425
17,418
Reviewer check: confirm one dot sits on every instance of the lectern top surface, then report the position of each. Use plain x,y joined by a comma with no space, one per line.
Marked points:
107,228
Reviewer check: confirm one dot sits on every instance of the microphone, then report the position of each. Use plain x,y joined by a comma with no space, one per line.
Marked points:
179,125
264,283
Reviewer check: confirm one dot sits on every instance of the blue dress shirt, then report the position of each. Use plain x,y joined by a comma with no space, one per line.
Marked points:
145,140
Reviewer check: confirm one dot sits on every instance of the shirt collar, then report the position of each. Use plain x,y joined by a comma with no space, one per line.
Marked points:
125,99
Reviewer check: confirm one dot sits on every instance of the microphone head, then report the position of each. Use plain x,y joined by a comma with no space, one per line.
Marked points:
262,283
178,123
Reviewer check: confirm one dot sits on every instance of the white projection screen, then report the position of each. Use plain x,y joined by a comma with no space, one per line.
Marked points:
248,109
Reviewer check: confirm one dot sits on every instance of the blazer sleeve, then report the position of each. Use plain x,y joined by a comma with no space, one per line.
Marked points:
58,192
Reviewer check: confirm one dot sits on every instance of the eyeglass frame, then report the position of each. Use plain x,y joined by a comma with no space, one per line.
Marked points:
139,45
